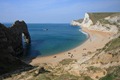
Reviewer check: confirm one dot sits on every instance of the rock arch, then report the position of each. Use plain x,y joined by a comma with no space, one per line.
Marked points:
11,46
13,35
20,27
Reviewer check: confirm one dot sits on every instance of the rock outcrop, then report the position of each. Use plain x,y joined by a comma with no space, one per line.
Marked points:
11,46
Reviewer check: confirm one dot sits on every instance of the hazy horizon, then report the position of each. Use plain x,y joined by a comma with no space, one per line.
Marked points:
52,11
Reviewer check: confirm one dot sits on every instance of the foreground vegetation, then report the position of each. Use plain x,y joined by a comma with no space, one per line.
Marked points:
113,74
112,45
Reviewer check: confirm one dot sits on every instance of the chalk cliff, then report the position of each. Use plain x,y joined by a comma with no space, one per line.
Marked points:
106,22
11,46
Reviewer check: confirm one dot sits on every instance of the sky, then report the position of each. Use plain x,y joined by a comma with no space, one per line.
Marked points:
53,11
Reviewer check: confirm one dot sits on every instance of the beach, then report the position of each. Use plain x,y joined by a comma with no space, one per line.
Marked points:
96,40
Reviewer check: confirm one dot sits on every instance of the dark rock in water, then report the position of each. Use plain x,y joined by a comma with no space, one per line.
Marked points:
11,46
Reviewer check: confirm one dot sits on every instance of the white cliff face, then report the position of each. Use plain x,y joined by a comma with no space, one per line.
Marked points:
104,27
109,26
75,23
87,22
114,19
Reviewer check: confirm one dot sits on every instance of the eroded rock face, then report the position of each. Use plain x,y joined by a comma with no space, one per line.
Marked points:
17,29
11,46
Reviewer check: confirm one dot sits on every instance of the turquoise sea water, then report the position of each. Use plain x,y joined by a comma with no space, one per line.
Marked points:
48,39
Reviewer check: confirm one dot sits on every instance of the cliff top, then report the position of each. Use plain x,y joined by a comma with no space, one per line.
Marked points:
100,15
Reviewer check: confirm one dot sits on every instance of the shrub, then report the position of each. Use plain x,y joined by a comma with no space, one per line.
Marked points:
67,61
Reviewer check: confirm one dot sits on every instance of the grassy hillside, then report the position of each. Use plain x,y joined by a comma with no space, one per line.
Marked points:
113,74
97,16
112,45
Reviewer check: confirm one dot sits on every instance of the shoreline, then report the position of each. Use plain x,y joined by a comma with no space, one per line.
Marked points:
95,40
87,37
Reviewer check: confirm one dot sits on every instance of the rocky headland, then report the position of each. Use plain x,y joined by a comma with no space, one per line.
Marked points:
11,46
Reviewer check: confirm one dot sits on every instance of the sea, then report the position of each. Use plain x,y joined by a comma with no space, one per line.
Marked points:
49,39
